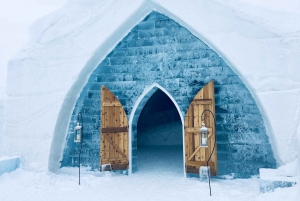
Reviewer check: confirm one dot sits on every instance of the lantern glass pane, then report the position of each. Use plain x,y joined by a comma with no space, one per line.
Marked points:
77,135
203,139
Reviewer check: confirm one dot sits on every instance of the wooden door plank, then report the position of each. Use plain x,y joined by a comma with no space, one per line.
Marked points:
107,145
186,146
126,134
111,104
111,116
115,116
106,118
197,150
114,129
198,163
197,144
196,134
120,143
102,147
125,138
110,136
113,144
202,102
191,144
191,136
115,161
116,135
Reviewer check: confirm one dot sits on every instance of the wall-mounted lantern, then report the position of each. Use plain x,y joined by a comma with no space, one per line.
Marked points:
204,136
78,133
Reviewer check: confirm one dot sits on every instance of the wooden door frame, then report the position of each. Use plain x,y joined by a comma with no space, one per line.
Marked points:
137,103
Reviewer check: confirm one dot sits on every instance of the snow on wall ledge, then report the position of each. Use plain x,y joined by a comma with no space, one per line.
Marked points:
45,78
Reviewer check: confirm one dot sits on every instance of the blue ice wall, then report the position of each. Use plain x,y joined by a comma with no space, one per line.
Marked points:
9,164
159,50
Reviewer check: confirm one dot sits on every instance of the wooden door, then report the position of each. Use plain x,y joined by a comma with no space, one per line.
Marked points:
196,156
114,132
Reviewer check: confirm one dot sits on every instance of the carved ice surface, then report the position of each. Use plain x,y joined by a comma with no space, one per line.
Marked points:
159,50
105,167
266,186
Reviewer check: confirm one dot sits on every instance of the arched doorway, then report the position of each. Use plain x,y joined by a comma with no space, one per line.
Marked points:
159,136
135,114
182,64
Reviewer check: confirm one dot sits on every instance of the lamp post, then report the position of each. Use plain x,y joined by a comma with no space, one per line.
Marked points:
78,138
204,142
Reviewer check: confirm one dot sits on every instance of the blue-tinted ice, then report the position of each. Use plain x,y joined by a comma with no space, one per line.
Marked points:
159,50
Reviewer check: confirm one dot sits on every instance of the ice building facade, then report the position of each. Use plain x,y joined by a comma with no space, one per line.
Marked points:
254,66
160,51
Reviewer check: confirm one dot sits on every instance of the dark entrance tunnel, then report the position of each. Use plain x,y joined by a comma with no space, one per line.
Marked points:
159,136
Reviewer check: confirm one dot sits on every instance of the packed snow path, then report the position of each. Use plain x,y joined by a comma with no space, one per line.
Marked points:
160,160
156,180
63,186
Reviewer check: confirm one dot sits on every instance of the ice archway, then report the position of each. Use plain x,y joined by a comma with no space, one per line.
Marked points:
134,116
159,50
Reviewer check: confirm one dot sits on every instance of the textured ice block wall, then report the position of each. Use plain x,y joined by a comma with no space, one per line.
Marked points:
9,164
159,50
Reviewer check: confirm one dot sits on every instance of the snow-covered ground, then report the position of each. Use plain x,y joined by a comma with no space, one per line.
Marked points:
27,185
155,180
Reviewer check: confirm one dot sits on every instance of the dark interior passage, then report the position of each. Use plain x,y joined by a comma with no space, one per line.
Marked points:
159,136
